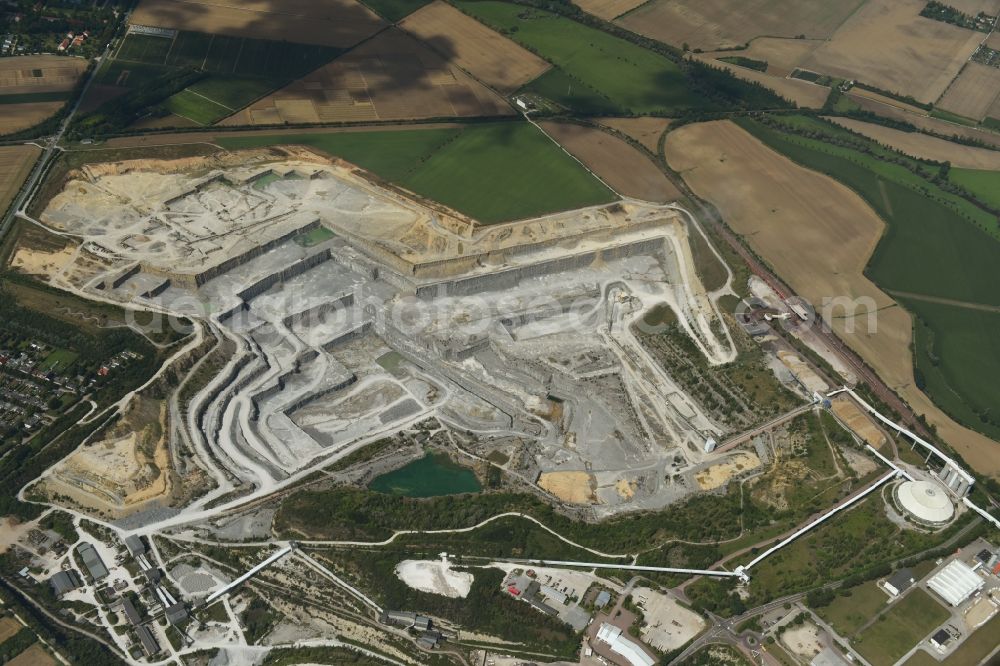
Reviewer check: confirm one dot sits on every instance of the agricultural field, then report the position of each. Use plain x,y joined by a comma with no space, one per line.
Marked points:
924,146
240,70
33,88
886,43
607,9
476,169
461,40
803,93
909,621
15,165
765,197
984,182
336,23
972,94
393,76
782,55
715,24
646,130
625,76
624,168
847,613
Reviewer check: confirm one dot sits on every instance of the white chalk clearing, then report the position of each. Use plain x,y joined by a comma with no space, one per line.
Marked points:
435,577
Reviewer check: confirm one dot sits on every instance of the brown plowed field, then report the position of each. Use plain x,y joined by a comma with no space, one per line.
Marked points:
39,73
715,24
645,130
993,41
462,40
887,44
927,147
607,9
805,94
339,23
16,117
15,165
817,235
393,76
628,171
973,92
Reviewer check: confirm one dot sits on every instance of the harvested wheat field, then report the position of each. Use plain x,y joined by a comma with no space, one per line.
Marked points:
627,170
16,117
8,627
646,130
818,235
39,73
486,55
862,97
35,655
925,146
973,92
781,55
888,44
715,24
15,165
339,23
393,76
927,123
973,7
857,421
607,9
807,95
572,487
993,41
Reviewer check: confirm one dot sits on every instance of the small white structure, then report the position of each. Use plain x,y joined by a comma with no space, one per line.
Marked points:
710,445
956,582
926,501
633,654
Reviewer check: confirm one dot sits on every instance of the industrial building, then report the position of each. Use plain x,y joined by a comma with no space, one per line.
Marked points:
92,561
629,650
926,502
135,545
148,641
63,582
956,582
899,582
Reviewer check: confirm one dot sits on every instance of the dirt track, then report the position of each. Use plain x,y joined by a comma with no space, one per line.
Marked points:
624,168
767,199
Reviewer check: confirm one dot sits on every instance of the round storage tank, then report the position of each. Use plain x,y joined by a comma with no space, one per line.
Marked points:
927,502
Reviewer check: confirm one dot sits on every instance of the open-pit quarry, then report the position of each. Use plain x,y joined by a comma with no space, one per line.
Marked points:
354,310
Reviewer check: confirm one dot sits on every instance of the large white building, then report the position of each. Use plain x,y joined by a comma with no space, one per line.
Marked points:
927,502
956,582
633,654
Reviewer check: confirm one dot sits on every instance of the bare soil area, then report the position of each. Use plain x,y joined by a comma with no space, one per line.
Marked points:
714,24
886,43
486,55
339,23
857,421
717,476
925,146
572,487
16,117
767,198
15,165
645,129
625,169
973,92
393,76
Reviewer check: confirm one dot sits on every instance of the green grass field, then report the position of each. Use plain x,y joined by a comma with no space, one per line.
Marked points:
195,107
970,653
908,622
936,245
957,353
557,85
636,79
984,184
492,172
59,360
847,614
